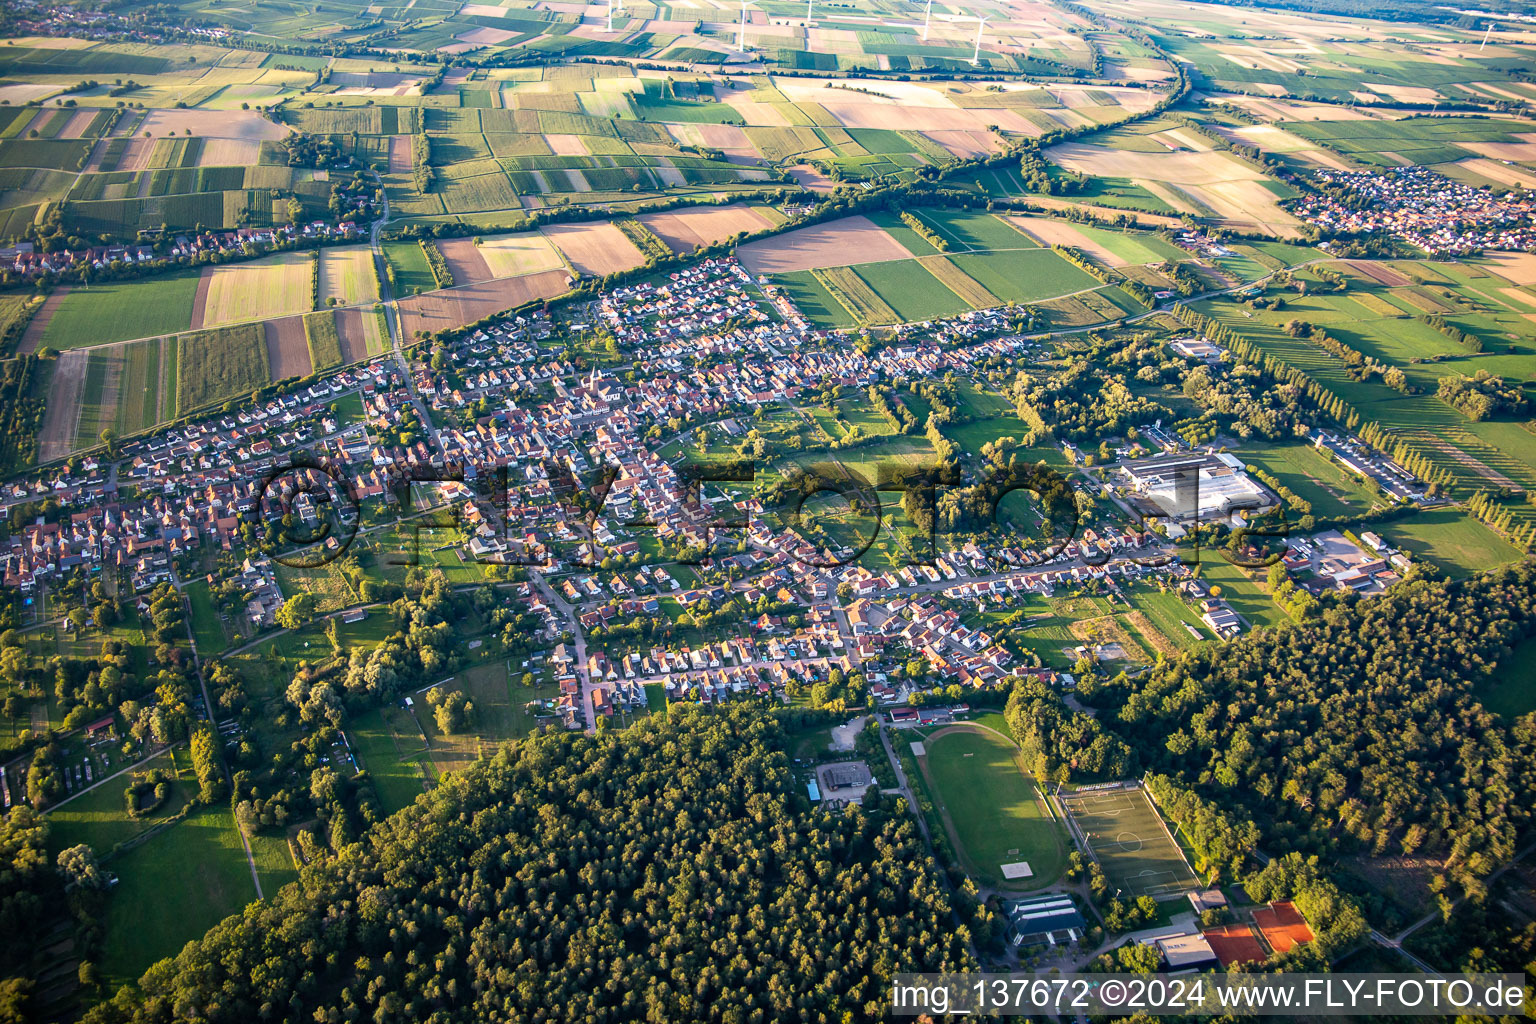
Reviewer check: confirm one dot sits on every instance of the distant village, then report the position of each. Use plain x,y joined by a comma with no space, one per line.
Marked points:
1423,208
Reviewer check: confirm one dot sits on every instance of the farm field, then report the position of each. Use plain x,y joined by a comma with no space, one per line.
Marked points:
991,807
347,276
119,311
260,290
214,366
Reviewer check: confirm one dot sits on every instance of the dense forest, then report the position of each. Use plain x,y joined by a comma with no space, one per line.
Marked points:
668,872
1355,732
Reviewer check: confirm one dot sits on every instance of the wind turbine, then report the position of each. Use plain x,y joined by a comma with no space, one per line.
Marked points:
610,16
927,17
981,23
1485,37
741,39
809,4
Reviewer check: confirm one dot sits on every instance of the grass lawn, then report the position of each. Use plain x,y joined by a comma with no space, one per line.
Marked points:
1242,593
388,744
1450,540
207,626
100,819
992,808
122,310
1332,490
174,888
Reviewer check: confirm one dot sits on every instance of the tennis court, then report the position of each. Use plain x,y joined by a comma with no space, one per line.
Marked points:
1130,841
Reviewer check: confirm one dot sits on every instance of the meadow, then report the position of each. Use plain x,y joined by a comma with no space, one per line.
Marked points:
215,366
991,807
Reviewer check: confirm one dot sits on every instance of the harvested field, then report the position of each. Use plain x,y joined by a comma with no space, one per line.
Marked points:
837,243
78,122
287,348
399,154
464,304
259,290
129,155
229,153
1504,174
32,337
58,433
464,260
566,145
686,230
1515,267
1380,273
527,252
1059,232
595,248
211,124
361,334
346,275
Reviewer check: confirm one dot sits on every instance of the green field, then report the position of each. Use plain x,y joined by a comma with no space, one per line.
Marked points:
324,341
1451,540
1130,842
173,888
99,817
974,230
1332,490
992,809
388,743
409,267
217,365
911,291
122,311
207,627
1025,275
818,305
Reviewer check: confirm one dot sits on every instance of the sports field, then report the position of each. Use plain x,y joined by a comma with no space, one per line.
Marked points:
1130,841
991,808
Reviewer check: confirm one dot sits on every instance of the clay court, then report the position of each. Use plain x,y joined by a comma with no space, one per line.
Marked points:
1283,926
1235,944
595,248
287,348
464,304
686,230
838,243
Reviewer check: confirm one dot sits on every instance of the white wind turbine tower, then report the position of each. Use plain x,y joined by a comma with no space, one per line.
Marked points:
808,5
741,38
981,23
1485,37
927,17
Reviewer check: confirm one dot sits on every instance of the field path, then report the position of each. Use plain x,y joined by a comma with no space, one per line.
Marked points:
32,337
